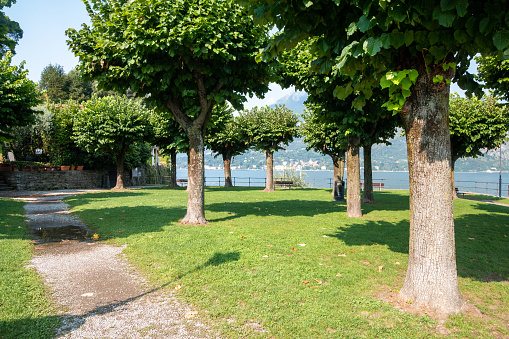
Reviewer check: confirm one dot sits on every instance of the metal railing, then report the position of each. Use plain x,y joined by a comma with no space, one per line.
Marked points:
480,187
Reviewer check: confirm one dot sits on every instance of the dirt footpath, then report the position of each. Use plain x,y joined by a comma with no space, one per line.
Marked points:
99,294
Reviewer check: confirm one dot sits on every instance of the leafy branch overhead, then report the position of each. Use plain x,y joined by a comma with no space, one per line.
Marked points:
385,36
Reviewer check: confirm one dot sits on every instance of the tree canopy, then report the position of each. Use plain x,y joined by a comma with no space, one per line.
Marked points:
269,130
10,31
494,72
184,56
18,96
226,138
110,125
477,125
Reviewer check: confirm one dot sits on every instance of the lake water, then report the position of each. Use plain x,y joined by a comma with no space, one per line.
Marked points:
482,182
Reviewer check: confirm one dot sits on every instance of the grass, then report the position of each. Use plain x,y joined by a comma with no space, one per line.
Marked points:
249,272
487,197
25,311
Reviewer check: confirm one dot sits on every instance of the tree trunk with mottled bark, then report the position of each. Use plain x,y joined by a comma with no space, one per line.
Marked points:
195,179
120,170
353,192
269,185
431,281
227,160
369,197
173,169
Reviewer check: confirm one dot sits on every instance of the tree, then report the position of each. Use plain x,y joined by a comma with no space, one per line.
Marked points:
111,125
415,49
18,96
78,89
226,138
170,138
10,32
476,125
26,139
269,130
183,55
495,74
326,137
53,81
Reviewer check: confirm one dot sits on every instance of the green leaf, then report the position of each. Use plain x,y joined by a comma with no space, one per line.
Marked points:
352,28
397,12
434,37
438,79
483,25
444,18
446,5
413,75
342,92
384,82
439,52
409,37
308,4
397,39
364,24
372,46
501,39
406,83
461,7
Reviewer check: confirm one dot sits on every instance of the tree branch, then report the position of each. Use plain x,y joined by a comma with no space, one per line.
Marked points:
178,114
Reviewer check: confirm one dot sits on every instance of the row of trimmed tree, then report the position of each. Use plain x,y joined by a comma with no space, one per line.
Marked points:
364,64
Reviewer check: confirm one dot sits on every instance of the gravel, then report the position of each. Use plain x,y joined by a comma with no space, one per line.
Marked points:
99,294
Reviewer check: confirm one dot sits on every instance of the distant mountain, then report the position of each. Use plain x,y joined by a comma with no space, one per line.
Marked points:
384,158
293,101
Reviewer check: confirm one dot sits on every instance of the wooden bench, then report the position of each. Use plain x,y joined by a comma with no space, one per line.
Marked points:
376,185
283,183
182,182
458,192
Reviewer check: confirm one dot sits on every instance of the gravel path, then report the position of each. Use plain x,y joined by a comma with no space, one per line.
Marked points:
99,294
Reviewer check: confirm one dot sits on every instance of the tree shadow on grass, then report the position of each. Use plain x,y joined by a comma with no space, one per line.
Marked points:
123,221
283,208
44,327
482,251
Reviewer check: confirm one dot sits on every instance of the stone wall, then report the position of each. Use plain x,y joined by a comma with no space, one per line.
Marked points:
55,180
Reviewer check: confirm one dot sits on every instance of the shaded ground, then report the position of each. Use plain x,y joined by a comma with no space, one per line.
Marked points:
99,293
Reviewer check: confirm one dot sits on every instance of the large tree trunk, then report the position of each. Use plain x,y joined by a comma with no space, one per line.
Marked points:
120,170
369,198
196,179
431,280
269,185
353,192
227,160
173,169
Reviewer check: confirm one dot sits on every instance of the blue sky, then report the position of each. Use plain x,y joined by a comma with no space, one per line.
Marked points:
44,23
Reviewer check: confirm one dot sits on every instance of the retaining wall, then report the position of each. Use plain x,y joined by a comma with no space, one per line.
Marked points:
55,180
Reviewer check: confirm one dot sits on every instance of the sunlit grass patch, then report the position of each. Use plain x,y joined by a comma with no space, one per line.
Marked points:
290,263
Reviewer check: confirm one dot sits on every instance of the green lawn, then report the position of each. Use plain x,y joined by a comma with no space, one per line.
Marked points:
250,274
25,311
487,197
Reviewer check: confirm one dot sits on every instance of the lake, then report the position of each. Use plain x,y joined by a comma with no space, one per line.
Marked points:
482,182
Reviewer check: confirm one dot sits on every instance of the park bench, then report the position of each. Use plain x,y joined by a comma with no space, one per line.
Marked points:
182,182
376,185
458,192
284,183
